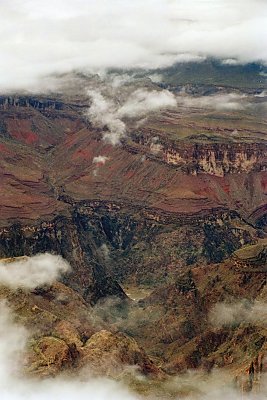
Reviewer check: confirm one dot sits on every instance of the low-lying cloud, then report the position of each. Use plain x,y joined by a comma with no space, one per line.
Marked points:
141,102
229,314
103,113
58,36
117,103
220,102
30,272
112,113
13,338
99,161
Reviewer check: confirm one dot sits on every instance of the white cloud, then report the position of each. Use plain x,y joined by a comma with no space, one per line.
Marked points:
230,61
262,94
57,36
123,103
141,102
103,113
157,78
33,271
100,160
13,339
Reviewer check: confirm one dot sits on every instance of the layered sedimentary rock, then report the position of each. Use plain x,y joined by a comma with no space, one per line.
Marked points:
162,203
191,198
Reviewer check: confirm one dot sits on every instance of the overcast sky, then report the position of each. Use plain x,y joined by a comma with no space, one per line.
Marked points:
41,38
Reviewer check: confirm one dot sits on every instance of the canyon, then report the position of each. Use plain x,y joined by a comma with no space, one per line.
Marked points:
177,209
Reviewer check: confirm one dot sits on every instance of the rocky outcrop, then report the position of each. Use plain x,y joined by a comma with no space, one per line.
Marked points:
55,310
253,255
173,324
109,354
250,378
37,103
50,356
65,334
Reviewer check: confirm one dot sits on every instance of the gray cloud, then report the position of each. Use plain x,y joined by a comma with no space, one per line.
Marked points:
56,36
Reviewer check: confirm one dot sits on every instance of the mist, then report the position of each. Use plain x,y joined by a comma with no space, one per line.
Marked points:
141,102
239,312
59,36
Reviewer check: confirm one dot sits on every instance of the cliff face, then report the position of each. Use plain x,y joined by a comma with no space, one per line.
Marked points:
30,102
220,160
142,246
147,247
47,152
63,236
217,159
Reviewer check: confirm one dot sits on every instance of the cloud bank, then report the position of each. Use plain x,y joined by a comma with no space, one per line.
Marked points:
33,271
58,36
